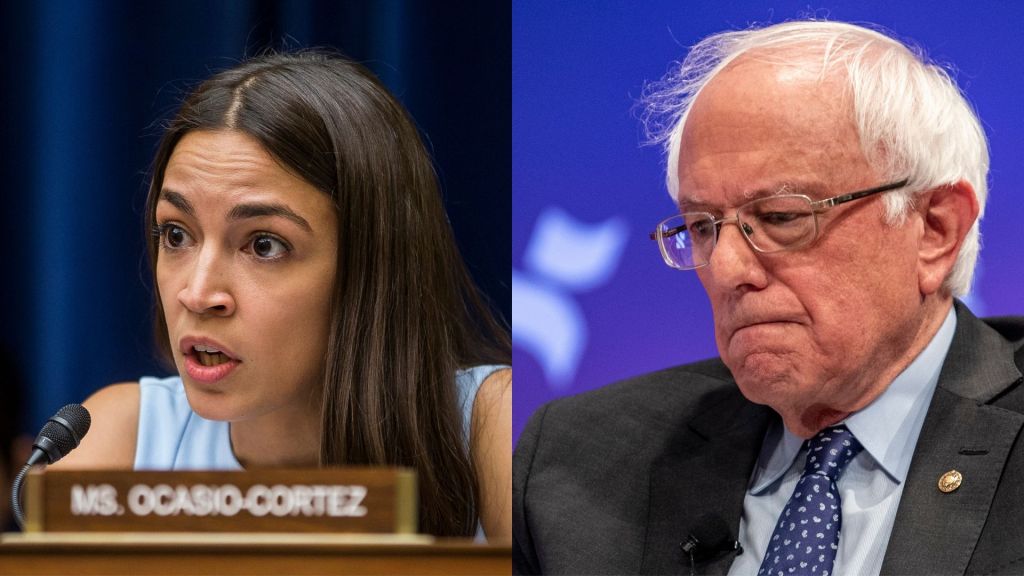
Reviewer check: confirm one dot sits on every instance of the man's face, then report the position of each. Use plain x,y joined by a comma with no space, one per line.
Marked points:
818,332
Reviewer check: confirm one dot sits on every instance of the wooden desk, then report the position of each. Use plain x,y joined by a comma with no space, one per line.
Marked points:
266,554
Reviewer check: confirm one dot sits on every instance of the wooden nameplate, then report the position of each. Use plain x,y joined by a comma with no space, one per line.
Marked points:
363,500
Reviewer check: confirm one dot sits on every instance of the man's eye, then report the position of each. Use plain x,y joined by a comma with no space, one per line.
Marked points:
268,247
780,218
702,229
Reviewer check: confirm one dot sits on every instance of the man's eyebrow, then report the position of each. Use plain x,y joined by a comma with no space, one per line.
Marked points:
240,211
257,210
693,205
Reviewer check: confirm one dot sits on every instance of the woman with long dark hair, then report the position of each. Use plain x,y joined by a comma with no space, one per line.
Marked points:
311,297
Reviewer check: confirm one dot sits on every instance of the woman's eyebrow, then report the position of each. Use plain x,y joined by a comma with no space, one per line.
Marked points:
240,211
178,201
259,209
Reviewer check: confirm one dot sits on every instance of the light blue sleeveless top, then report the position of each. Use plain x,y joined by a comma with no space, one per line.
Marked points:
173,437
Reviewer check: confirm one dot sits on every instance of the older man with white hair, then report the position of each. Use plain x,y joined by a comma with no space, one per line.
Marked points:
859,420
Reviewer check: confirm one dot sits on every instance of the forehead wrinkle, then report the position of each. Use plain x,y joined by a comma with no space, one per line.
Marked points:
777,189
240,170
238,167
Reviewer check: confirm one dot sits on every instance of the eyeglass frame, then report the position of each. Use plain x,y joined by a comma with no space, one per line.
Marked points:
817,207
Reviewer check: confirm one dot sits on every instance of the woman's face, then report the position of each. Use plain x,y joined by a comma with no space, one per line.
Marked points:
246,267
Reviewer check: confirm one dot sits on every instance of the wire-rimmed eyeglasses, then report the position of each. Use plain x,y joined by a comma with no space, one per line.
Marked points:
770,224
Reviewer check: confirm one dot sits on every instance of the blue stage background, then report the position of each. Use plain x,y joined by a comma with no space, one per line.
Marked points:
86,85
593,302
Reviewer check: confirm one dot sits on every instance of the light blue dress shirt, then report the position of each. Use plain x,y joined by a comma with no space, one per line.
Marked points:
871,486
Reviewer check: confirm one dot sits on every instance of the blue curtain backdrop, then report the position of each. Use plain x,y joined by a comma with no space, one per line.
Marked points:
86,86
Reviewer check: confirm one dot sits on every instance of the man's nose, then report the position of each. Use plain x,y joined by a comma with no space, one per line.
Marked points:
734,263
207,290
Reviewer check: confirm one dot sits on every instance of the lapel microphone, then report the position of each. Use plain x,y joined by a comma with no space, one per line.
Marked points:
709,535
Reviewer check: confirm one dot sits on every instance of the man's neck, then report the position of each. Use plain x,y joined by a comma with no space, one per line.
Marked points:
815,418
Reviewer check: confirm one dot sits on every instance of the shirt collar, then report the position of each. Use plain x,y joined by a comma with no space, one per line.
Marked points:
887,428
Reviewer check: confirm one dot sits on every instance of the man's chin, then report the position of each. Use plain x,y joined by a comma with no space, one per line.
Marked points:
763,378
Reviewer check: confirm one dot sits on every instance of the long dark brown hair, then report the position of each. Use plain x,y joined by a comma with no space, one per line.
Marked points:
405,313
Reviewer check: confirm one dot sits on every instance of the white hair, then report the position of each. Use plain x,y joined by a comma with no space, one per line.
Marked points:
911,117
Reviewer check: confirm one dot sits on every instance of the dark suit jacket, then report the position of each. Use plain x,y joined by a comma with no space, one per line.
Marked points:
612,480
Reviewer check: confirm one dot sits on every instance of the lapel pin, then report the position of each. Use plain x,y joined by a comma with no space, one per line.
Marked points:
950,481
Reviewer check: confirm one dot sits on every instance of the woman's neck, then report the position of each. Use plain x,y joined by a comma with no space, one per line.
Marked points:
277,440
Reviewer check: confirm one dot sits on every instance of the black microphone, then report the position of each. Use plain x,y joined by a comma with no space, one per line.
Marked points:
709,535
61,434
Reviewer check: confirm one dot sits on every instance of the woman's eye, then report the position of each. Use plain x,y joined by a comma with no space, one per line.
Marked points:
173,236
268,247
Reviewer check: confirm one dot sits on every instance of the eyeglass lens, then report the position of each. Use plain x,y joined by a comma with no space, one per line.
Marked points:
770,225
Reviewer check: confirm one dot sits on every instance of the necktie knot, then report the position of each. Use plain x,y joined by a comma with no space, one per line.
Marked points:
830,451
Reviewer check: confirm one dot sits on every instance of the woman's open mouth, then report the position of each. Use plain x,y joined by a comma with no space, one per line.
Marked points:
210,356
207,364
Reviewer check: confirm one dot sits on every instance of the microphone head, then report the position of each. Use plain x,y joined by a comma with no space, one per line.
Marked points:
78,417
709,534
63,431
711,531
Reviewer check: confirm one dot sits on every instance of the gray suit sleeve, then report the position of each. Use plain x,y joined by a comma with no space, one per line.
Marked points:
524,557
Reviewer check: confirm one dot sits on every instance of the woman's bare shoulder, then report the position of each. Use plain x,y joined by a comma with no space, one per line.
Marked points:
495,392
491,450
110,442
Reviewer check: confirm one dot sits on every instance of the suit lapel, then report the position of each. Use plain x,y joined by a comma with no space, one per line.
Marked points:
936,532
705,469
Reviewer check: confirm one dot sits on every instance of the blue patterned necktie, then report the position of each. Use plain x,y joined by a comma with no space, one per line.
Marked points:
806,538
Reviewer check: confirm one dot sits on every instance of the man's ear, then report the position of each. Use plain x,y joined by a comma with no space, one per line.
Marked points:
947,214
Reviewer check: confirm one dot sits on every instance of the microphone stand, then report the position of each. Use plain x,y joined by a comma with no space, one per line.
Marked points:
19,514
